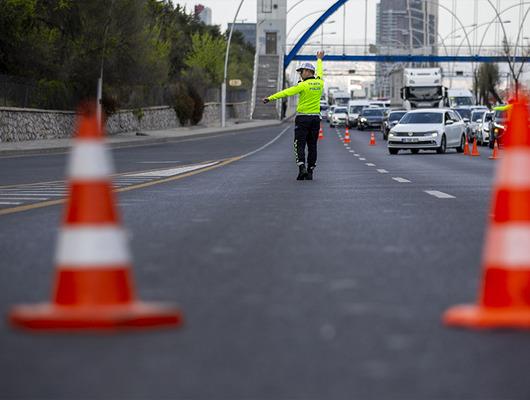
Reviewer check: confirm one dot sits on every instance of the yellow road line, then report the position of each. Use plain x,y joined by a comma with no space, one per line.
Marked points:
28,207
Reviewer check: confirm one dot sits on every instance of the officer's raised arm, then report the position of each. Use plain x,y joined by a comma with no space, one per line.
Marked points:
320,68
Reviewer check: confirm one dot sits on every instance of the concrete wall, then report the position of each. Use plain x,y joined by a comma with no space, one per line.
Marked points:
18,124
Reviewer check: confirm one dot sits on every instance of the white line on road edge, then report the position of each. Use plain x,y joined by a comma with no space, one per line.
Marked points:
157,162
382,171
440,195
173,171
266,144
10,203
23,198
401,180
22,193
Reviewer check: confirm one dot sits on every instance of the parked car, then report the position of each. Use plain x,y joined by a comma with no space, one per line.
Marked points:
330,113
324,109
340,116
498,124
391,119
428,129
371,118
483,131
475,124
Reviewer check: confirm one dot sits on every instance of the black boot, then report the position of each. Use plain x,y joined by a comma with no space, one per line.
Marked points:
302,173
309,176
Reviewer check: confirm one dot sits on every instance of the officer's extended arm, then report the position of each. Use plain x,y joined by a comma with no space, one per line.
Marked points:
287,92
320,69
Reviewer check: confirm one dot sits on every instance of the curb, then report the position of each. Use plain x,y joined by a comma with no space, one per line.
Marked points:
145,141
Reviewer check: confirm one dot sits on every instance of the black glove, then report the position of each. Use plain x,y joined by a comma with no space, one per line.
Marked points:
266,100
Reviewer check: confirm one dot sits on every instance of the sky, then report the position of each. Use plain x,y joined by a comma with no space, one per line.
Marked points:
223,12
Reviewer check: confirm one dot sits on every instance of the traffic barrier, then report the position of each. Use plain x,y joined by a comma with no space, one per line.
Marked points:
504,300
466,148
321,133
93,287
474,152
347,136
372,139
495,152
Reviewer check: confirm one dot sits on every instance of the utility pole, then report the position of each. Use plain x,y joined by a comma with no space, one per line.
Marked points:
365,26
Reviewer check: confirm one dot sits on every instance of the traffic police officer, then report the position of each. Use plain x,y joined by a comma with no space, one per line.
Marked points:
307,122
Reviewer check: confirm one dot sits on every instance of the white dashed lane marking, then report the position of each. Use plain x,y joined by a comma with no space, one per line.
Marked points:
362,159
370,164
382,171
400,180
440,195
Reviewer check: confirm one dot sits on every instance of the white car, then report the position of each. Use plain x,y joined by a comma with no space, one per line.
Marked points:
483,132
428,129
339,117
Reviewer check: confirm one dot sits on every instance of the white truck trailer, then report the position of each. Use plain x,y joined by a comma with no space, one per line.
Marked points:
417,88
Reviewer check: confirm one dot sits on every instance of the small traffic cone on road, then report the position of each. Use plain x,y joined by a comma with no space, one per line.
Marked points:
372,139
504,300
93,287
321,133
495,152
466,148
347,136
474,152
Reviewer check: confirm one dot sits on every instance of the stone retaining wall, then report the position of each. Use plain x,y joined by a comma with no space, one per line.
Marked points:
18,124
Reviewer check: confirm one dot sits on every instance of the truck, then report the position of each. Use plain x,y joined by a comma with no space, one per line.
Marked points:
417,88
339,98
459,98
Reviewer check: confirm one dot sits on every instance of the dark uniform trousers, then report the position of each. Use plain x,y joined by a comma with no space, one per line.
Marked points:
306,132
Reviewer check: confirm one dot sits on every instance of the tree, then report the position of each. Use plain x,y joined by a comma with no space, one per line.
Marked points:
207,55
488,80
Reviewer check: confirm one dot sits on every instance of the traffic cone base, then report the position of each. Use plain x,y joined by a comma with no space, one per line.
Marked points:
473,316
134,315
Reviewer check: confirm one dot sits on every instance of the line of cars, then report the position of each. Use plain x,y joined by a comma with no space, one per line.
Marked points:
451,126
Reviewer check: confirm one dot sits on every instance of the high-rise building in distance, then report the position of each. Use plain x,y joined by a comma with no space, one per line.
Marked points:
203,13
404,27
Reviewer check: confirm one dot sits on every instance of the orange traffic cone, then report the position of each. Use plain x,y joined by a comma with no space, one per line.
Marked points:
495,153
466,148
321,133
474,152
93,287
347,136
372,139
504,300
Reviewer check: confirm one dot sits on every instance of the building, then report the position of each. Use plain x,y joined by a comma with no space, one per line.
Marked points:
248,30
404,27
203,13
271,28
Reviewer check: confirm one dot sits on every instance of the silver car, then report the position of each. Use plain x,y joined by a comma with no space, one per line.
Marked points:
483,131
428,129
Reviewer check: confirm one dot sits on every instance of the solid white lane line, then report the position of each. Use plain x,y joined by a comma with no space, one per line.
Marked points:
23,198
266,144
440,195
157,162
32,194
163,173
400,180
10,203
382,171
370,165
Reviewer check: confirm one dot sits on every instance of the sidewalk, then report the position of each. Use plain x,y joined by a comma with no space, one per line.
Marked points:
130,138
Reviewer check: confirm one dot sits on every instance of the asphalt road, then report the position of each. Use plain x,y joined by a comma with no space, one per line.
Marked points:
330,289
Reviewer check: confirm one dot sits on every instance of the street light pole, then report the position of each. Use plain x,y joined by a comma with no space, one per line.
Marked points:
223,86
